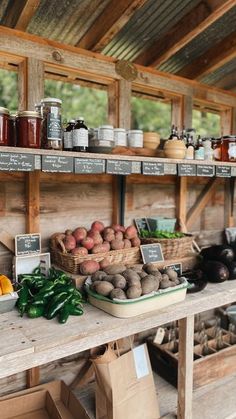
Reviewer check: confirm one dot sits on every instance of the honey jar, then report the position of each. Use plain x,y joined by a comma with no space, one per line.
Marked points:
4,127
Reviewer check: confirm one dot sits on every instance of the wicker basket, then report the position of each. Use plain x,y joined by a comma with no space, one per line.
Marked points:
173,248
70,263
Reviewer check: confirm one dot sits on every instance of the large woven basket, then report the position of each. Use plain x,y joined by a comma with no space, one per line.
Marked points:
70,263
173,248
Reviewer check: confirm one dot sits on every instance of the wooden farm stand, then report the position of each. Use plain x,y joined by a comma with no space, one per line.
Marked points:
27,344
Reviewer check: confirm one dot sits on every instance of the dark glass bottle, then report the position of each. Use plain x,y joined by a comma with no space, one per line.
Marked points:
68,136
80,135
174,133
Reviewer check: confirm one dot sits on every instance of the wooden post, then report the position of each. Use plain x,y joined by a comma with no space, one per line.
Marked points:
229,202
187,111
226,121
113,104
185,368
31,90
181,201
177,112
233,120
124,111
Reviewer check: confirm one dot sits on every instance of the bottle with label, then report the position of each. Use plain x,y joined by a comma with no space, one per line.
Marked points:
173,134
208,151
52,129
199,150
190,148
183,136
80,135
67,137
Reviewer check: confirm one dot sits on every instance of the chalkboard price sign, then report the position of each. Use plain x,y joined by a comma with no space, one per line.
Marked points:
205,170
12,162
151,253
89,165
177,267
187,169
26,244
58,164
223,171
141,224
152,168
119,167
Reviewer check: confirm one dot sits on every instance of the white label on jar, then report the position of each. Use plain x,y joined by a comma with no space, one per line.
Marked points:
135,139
232,151
105,134
80,137
120,138
68,139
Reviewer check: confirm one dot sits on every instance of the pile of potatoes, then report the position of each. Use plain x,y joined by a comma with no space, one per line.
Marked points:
118,281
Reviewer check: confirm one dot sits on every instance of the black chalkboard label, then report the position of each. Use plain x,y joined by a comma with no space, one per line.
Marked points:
170,169
26,244
13,162
205,170
151,253
187,169
58,164
152,168
89,165
177,267
119,167
223,171
141,224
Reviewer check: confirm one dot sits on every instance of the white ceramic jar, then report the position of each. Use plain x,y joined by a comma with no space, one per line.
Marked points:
120,137
135,138
106,133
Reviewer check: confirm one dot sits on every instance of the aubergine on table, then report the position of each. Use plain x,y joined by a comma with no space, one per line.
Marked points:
221,253
215,271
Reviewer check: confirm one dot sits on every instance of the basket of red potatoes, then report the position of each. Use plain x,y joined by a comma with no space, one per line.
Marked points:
85,251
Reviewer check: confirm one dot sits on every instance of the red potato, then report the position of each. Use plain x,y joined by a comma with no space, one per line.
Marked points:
117,244
88,243
96,236
69,242
81,251
108,230
131,232
97,226
104,263
119,235
89,267
127,244
100,248
109,236
135,242
80,233
107,244
118,227
68,232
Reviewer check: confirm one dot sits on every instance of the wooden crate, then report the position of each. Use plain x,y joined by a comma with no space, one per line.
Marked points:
206,369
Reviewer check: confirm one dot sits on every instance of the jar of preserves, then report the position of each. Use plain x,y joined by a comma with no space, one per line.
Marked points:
28,129
4,127
52,129
216,147
12,130
135,138
228,148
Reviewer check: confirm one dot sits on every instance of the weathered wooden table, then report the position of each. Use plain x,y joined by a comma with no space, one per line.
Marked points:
27,343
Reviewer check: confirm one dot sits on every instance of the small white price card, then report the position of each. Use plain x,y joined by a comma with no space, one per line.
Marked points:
140,361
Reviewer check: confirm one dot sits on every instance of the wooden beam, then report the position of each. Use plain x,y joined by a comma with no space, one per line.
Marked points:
27,13
33,377
229,202
113,104
201,202
191,25
13,12
109,23
215,57
226,121
185,368
33,202
176,112
124,118
181,201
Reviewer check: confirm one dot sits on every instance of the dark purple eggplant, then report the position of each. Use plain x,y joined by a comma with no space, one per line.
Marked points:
232,270
221,253
215,271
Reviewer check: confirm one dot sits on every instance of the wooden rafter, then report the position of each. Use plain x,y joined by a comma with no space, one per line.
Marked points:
19,13
215,57
108,23
191,25
227,82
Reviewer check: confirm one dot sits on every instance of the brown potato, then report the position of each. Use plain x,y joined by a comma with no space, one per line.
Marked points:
118,293
115,269
104,288
150,268
130,273
165,283
98,276
149,284
119,281
138,267
133,292
142,274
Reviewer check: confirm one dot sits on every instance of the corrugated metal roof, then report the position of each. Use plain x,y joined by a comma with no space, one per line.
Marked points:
215,33
3,8
149,23
65,20
221,72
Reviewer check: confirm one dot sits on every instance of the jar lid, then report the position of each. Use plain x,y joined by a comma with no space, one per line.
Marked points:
229,137
29,114
4,110
106,127
119,130
135,131
51,99
72,121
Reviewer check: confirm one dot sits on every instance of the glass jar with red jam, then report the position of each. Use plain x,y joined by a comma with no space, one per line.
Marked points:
4,127
228,148
28,129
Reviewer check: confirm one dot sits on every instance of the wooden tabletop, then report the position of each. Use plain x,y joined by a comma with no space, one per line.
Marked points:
26,343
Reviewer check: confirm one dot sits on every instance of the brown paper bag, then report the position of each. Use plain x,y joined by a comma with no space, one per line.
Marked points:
124,386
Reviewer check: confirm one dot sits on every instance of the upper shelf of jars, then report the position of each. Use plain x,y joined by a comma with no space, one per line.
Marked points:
15,159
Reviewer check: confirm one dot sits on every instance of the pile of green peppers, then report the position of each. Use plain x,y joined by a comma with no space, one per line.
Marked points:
158,234
50,296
